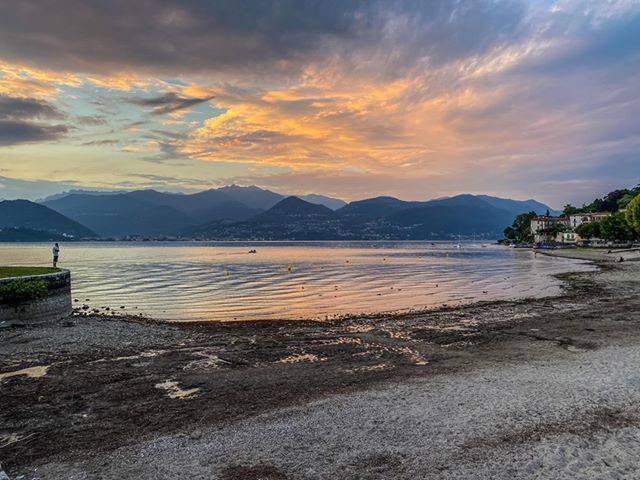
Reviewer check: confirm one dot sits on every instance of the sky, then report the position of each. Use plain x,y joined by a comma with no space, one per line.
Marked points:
353,99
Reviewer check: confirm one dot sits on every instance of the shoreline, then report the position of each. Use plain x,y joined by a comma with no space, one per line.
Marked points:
189,381
593,255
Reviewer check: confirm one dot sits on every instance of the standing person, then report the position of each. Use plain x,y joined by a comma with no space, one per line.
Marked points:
56,252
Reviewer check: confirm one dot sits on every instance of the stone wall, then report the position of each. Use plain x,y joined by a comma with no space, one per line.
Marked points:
57,305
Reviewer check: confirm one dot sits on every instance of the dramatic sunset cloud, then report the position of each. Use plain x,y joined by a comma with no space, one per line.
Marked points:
415,99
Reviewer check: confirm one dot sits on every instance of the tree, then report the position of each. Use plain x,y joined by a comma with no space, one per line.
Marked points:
627,197
589,230
632,214
569,210
611,202
626,200
611,199
555,229
596,206
509,233
616,229
520,231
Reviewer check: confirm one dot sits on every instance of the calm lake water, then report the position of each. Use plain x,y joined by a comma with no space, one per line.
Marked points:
216,281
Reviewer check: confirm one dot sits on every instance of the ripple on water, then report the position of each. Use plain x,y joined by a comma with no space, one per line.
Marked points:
184,281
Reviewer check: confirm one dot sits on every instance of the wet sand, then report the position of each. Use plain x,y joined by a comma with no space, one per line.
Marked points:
540,388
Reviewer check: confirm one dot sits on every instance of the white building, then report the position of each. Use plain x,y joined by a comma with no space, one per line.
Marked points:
548,229
578,219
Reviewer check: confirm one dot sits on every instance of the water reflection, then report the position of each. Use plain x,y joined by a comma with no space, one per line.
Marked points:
290,280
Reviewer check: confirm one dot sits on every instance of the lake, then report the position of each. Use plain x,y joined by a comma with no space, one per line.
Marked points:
219,281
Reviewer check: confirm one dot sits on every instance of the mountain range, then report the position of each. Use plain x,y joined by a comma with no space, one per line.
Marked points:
377,218
235,212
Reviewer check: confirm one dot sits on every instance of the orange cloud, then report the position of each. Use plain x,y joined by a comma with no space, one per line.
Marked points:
21,81
363,124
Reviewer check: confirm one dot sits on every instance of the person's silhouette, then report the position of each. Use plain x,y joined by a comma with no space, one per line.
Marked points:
56,253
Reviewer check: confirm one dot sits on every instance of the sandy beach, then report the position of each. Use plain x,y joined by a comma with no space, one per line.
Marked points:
535,388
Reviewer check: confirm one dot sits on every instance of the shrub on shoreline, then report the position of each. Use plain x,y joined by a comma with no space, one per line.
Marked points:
22,292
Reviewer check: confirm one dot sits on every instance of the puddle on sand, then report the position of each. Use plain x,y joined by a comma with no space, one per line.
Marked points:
31,372
174,390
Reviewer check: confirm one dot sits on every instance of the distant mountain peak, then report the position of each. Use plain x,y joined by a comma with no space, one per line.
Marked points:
235,186
295,204
386,198
24,214
294,207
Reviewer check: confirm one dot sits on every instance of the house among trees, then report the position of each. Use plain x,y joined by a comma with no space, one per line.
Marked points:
615,218
562,229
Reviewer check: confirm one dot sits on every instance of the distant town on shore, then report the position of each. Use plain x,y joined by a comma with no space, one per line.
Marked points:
613,219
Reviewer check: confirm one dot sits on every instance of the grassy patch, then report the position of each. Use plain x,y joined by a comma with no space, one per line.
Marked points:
6,272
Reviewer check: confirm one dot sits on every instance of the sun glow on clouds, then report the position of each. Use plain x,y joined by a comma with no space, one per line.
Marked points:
299,128
397,98
22,80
